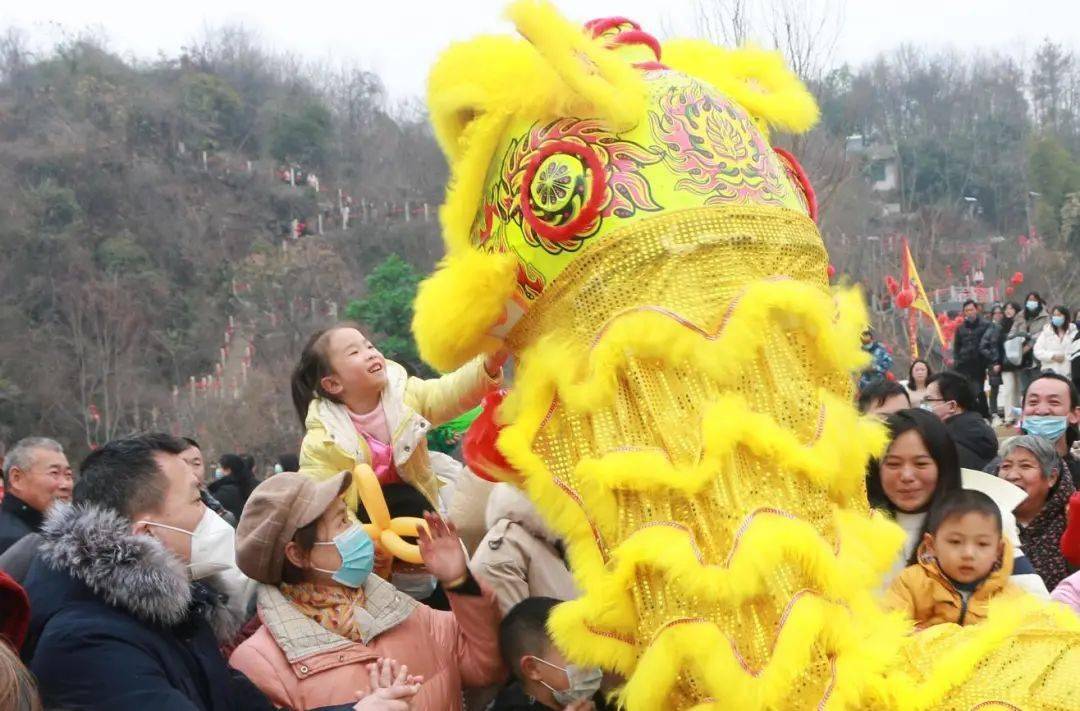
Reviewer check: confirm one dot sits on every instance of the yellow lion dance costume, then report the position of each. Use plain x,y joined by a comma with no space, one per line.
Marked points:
682,407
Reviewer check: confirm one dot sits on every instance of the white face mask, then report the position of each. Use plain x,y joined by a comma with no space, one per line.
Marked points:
213,545
418,586
582,682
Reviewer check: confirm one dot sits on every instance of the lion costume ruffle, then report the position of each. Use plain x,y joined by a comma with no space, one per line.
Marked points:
682,407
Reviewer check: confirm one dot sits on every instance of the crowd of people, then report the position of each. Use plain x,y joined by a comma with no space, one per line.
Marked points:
143,581
982,467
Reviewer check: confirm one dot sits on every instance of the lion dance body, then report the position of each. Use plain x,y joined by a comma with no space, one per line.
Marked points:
682,407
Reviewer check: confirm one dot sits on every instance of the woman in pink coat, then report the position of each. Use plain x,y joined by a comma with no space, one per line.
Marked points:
325,617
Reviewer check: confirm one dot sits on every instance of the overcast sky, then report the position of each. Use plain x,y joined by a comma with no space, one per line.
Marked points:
399,39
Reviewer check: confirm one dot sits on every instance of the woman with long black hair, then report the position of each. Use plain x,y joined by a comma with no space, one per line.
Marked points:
919,467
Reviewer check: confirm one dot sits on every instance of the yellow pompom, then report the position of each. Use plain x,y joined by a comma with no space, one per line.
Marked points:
758,79
605,80
457,307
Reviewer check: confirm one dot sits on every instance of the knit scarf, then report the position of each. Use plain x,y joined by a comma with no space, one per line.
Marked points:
1042,537
331,606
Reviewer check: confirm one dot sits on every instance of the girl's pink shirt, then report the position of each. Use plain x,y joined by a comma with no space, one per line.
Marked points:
372,426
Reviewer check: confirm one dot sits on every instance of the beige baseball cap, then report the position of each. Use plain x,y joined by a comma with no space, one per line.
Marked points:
276,509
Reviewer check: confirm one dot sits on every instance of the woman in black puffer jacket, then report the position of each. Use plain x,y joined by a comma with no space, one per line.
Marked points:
233,489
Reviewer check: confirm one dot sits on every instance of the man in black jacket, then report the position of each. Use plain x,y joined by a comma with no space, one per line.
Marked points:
951,397
36,473
116,622
969,357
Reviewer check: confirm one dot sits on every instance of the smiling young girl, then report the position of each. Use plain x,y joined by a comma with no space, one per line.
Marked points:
357,406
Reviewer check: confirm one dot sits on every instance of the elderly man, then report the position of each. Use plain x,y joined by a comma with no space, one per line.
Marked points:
36,473
1052,411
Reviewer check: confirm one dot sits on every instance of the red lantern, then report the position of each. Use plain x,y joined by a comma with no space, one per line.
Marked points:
905,298
1017,279
479,448
1009,290
831,271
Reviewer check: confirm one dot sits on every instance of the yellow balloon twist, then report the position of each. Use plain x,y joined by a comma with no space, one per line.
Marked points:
386,531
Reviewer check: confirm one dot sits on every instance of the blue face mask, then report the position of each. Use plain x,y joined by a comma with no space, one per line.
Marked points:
1051,427
1058,321
1032,305
357,557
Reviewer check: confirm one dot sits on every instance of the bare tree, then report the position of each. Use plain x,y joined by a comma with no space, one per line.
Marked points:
723,21
805,31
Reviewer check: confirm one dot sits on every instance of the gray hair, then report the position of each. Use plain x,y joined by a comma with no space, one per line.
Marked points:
21,455
1041,447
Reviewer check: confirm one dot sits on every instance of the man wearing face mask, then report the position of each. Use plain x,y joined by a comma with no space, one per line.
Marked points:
117,621
543,679
1052,411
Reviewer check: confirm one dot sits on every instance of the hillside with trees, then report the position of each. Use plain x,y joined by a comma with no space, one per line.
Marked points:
166,252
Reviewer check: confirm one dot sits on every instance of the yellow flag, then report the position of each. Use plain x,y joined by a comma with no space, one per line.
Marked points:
921,303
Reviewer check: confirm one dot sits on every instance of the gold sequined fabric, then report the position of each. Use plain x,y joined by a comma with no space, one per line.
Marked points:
732,583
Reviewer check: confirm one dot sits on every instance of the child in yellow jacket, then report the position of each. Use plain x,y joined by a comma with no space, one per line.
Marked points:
358,407
964,562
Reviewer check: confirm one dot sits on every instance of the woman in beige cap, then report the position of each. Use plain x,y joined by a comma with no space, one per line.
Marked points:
326,618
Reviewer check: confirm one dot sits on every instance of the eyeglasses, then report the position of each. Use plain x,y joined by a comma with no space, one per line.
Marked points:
933,399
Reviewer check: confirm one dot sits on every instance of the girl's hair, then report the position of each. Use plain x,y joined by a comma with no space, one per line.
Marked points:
313,366
911,373
1015,307
1064,311
942,450
18,690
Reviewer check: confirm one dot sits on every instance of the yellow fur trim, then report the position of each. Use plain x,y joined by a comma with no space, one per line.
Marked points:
466,186
613,87
957,653
582,380
458,305
831,462
770,539
477,86
758,79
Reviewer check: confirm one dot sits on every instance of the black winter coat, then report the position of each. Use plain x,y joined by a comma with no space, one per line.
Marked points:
976,443
17,519
968,353
232,492
118,627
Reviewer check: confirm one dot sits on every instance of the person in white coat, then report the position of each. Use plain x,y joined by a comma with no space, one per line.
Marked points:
1053,348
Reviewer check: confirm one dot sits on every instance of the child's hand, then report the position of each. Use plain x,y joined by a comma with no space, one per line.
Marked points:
441,550
391,687
493,363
